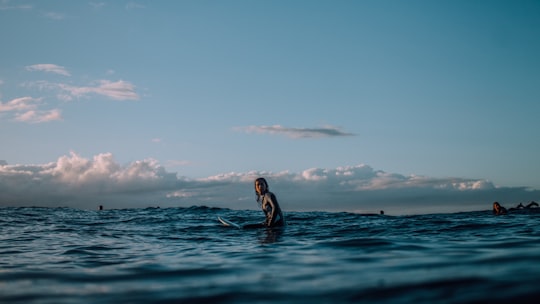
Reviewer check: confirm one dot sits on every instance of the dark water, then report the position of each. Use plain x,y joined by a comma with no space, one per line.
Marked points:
182,255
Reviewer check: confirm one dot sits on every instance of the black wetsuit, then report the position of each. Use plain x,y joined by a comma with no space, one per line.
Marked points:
502,210
272,211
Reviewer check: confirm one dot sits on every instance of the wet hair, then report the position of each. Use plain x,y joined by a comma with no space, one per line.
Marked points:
260,180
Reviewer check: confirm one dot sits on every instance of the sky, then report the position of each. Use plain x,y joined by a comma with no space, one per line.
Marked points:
357,106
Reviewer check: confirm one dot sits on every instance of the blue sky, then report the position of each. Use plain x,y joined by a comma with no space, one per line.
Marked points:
194,92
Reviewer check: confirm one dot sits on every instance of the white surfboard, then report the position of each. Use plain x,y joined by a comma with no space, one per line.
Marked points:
226,222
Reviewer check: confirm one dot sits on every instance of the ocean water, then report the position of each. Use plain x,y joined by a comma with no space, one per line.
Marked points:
183,255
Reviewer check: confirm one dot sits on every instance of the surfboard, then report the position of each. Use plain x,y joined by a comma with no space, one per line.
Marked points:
228,223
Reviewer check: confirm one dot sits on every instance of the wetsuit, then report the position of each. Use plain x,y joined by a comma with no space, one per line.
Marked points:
501,210
272,211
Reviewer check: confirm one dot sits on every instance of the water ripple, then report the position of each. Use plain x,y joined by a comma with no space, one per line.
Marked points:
183,255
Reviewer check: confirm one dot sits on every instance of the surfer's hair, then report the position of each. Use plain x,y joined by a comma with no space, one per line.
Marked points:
260,180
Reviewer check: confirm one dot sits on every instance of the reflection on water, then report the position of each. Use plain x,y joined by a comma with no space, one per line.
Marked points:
270,235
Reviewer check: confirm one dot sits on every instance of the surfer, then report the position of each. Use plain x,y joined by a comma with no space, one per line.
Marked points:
532,203
498,209
269,204
521,206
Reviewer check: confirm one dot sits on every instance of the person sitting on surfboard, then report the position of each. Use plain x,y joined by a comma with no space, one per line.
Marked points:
498,209
269,204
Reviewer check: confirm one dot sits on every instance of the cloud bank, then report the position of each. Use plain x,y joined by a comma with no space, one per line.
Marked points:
80,182
327,131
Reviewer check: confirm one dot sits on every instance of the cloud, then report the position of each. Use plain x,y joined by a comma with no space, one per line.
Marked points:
119,90
97,5
80,182
134,5
25,109
19,104
50,68
54,16
30,109
328,131
5,5
77,181
39,116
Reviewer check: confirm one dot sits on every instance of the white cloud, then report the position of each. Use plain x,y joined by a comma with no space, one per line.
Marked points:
50,68
30,110
77,181
25,109
39,116
81,182
77,170
19,104
327,131
118,90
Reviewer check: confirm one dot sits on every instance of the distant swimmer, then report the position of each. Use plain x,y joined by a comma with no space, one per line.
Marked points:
269,204
498,209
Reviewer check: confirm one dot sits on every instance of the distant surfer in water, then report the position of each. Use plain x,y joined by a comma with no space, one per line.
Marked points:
498,209
520,206
269,204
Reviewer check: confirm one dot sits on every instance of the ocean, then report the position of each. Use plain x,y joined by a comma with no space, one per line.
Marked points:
183,255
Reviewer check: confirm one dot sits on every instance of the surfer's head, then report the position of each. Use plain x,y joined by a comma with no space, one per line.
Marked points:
261,186
498,209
